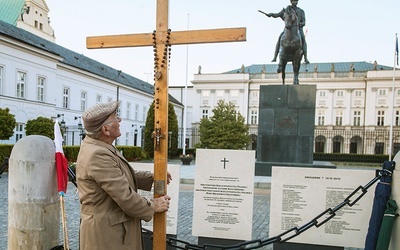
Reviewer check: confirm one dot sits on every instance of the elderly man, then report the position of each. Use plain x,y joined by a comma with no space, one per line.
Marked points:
302,22
111,209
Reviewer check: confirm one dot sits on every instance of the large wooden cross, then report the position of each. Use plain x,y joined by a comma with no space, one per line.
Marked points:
161,39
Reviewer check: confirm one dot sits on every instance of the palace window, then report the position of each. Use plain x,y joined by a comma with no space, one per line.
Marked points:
99,98
128,111
321,117
254,117
83,100
19,131
382,92
380,118
144,114
205,113
219,93
339,118
255,94
66,97
357,118
234,93
205,93
136,112
379,146
21,83
40,88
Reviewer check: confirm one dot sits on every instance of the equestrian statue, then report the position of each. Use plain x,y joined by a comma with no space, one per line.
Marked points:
291,45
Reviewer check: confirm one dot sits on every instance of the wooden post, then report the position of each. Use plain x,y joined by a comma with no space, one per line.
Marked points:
161,40
161,62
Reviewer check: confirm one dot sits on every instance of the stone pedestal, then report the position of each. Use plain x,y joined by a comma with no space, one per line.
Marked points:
286,134
286,127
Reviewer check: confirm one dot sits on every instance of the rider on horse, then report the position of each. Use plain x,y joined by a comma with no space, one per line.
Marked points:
302,22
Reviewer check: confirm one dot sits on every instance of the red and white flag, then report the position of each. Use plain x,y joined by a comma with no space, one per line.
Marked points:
61,161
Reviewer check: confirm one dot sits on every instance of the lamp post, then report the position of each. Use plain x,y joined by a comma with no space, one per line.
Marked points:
142,136
135,137
135,134
79,128
169,143
62,127
62,121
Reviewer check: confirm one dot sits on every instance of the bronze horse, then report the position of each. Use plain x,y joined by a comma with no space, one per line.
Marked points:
290,45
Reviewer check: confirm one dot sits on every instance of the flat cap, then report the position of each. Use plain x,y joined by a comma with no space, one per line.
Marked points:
95,116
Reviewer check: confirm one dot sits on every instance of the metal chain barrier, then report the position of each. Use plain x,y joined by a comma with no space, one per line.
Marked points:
318,221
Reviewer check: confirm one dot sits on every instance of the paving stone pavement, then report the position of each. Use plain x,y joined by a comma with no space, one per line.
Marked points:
184,231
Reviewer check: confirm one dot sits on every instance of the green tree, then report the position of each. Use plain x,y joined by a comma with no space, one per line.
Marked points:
226,129
172,127
40,126
7,124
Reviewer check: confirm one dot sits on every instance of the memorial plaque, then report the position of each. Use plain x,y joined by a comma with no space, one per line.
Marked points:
172,190
298,195
223,194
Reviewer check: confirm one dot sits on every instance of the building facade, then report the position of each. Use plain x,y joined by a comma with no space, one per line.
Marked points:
357,103
40,78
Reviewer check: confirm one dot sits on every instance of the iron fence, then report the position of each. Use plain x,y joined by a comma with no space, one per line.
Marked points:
367,141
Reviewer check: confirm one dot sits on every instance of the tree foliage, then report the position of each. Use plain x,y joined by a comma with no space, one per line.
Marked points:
7,124
40,126
172,127
226,129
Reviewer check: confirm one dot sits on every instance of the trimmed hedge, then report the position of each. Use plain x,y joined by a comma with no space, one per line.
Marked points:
132,153
5,151
351,158
71,152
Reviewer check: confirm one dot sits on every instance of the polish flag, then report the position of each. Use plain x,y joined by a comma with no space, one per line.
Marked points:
61,161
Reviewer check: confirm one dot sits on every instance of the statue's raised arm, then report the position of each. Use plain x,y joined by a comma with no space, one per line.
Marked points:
274,15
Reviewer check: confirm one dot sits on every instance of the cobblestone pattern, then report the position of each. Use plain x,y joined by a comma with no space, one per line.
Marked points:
185,214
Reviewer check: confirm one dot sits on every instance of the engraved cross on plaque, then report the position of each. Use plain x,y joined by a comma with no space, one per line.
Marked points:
224,161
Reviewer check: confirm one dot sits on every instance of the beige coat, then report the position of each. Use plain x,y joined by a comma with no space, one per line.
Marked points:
111,209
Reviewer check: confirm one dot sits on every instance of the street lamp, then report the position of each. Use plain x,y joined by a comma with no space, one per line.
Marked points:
62,121
169,143
142,136
62,127
79,127
135,135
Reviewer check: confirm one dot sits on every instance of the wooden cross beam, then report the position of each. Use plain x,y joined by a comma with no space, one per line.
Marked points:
161,39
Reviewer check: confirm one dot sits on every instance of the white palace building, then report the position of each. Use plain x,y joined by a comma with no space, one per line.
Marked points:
40,78
354,102
357,103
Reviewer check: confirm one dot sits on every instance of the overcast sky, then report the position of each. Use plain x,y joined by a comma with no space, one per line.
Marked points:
337,31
